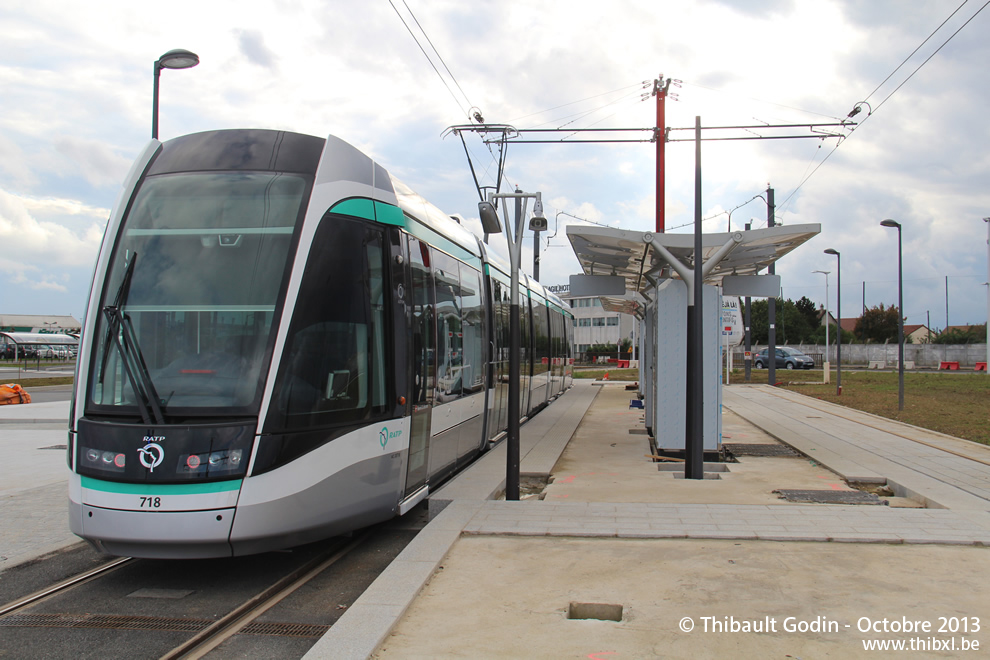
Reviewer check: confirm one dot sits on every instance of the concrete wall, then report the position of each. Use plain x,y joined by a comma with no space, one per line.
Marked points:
924,356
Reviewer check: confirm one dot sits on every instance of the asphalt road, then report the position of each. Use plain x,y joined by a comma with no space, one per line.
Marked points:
48,393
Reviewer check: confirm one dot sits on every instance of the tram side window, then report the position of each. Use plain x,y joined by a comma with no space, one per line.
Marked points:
472,330
423,331
450,357
334,367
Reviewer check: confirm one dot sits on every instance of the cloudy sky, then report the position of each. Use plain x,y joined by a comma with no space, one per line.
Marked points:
76,91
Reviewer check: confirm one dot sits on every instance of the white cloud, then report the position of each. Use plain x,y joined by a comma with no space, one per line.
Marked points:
46,244
77,99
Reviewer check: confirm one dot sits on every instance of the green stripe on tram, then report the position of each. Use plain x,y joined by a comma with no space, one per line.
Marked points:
389,215
369,209
161,489
358,207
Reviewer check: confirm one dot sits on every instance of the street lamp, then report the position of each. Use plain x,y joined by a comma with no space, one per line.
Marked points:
987,369
838,317
900,314
491,225
173,59
825,364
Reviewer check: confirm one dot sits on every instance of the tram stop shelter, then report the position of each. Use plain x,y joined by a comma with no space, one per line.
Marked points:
651,276
18,341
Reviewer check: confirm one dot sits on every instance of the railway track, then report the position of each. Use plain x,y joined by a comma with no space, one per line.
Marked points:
243,615
72,620
60,587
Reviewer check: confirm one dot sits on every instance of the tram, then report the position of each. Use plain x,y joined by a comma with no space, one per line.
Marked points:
283,343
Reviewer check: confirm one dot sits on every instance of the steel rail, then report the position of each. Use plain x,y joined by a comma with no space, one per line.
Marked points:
230,624
63,586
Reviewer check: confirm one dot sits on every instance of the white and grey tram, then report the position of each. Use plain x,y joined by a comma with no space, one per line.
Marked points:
283,343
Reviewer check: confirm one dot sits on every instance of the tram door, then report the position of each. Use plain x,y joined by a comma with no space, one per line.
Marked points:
422,352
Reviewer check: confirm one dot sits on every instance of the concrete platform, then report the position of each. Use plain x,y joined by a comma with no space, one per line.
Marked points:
604,525
489,578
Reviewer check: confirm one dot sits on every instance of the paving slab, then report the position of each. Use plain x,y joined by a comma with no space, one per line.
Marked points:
613,528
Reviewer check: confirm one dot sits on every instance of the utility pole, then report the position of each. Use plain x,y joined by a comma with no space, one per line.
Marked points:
513,235
536,255
660,88
772,305
694,445
748,354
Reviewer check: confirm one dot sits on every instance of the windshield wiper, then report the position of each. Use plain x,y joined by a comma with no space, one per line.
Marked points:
121,333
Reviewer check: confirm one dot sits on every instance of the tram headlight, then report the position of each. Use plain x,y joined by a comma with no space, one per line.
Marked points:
102,459
222,461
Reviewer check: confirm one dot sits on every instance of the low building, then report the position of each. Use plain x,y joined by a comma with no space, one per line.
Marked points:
44,324
593,325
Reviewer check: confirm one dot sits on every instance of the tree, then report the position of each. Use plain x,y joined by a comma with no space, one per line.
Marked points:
809,311
818,335
792,325
974,334
878,324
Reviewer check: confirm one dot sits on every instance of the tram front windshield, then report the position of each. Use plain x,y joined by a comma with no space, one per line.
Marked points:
187,311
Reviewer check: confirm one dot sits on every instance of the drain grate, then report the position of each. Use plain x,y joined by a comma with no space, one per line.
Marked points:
830,496
63,447
110,621
637,432
285,629
745,449
117,622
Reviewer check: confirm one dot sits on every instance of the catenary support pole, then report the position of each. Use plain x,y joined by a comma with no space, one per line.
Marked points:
748,354
694,464
771,306
515,348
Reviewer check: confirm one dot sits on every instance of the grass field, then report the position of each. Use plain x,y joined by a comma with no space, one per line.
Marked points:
956,404
42,382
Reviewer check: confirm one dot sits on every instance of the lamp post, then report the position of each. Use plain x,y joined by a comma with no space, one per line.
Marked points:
987,370
825,363
900,314
173,59
491,225
838,317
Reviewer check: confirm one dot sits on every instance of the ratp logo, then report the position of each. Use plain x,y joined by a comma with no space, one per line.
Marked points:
385,435
151,456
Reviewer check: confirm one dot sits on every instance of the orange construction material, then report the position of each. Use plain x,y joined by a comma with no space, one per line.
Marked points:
13,393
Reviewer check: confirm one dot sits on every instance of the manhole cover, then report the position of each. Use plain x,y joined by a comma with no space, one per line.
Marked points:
830,496
744,449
